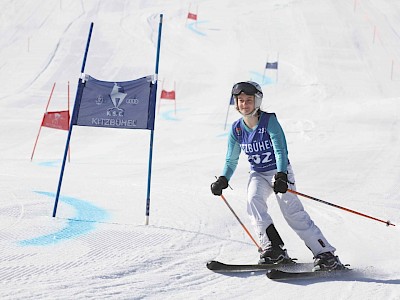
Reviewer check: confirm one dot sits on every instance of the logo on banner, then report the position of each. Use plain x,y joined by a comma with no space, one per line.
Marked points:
100,100
117,96
57,119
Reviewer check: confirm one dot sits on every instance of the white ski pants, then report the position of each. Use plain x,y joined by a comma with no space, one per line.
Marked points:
259,189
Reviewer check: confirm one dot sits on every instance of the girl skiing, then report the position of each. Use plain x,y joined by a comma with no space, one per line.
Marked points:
259,135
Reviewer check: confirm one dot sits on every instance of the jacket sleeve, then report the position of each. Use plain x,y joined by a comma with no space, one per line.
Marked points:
278,140
232,156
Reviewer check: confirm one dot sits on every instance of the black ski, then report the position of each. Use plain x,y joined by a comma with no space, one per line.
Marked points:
217,266
276,274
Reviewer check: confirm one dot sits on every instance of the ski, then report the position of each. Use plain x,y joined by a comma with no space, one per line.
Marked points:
276,274
217,266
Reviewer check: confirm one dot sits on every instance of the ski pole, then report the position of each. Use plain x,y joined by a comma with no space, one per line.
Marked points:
388,223
244,227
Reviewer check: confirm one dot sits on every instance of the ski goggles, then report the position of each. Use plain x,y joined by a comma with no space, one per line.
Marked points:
244,87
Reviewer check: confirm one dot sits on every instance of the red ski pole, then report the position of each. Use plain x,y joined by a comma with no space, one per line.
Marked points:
388,223
244,227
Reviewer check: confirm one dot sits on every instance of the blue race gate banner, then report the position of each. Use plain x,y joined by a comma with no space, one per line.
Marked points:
271,65
128,104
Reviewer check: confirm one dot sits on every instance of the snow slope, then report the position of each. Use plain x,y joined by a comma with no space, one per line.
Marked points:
336,95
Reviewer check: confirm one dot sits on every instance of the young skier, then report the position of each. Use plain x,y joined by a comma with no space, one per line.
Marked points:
259,135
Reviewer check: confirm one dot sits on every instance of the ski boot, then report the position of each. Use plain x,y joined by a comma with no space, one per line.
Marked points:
274,255
327,261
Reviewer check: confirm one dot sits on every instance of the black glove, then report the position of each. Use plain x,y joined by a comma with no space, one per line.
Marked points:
280,184
219,185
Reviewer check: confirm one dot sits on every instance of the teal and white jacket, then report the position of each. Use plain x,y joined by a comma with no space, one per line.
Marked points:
265,145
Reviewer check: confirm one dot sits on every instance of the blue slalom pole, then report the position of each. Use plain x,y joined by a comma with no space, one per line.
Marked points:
152,130
75,111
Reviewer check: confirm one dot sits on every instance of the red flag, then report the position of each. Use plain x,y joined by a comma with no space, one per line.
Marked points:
56,120
192,16
168,95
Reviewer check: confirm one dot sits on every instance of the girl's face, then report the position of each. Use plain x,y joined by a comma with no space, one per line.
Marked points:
245,103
